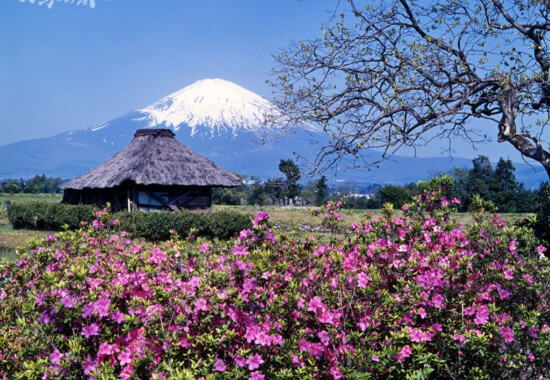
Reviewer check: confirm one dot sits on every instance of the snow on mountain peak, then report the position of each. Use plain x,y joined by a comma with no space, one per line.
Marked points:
210,107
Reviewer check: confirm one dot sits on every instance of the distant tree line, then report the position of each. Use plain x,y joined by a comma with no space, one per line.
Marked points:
496,184
38,184
253,191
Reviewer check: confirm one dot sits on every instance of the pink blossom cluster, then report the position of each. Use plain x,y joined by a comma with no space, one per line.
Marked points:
393,296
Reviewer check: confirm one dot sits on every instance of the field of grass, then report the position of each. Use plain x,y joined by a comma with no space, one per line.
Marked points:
301,218
298,219
10,238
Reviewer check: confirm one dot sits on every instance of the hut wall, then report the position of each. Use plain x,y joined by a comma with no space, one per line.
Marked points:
151,197
157,197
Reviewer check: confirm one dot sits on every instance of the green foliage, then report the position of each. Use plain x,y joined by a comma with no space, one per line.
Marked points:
12,187
321,191
228,196
48,216
397,195
157,226
153,226
541,222
291,188
41,184
364,203
498,185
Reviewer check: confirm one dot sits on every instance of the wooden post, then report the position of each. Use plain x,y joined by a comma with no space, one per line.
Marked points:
128,194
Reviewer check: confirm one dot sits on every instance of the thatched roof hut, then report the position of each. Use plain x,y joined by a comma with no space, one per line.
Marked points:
154,171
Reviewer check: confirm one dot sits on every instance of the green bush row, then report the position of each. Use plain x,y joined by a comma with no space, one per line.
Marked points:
154,226
49,216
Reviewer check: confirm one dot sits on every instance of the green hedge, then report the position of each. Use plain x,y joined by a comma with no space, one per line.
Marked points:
156,226
49,216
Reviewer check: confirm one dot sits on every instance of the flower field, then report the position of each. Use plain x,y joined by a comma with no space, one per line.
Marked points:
410,296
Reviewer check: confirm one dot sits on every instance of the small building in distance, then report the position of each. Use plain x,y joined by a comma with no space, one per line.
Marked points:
154,172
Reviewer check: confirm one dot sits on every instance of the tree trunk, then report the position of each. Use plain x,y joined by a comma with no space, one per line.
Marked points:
525,143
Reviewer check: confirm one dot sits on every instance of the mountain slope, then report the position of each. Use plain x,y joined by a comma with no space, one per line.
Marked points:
209,108
217,119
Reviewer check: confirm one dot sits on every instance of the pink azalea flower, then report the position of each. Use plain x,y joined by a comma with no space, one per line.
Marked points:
259,218
376,358
422,313
118,317
416,335
296,360
325,338
55,357
240,251
437,301
107,349
254,362
405,353
528,278
220,366
316,305
125,357
507,334
102,307
239,361
531,356
240,265
460,338
89,366
67,302
482,315
509,274
90,330
256,376
362,280
200,304
336,373
541,249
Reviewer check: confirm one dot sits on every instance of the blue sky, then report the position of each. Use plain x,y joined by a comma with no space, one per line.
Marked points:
70,67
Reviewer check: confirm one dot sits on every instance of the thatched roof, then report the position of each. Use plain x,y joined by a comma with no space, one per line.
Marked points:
155,157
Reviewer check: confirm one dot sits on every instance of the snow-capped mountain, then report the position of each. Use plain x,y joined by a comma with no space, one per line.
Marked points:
215,118
210,107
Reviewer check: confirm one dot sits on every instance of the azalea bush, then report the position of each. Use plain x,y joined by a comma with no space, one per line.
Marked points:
413,296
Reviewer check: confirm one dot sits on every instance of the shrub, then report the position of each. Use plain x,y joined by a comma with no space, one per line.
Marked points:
413,296
157,226
47,216
153,226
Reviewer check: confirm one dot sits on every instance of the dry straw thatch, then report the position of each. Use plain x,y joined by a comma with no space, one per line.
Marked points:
155,157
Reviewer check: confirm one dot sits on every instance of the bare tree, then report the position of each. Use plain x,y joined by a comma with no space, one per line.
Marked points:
402,72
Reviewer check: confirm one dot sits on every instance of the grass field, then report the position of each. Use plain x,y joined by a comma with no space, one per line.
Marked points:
298,219
10,238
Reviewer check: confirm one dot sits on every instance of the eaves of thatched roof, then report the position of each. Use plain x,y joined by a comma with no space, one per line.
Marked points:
155,157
